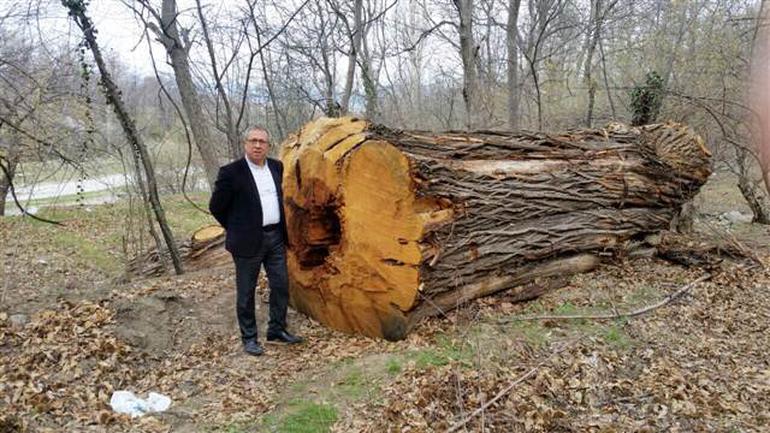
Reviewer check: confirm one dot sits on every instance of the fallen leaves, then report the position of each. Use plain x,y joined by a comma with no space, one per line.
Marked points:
63,365
698,365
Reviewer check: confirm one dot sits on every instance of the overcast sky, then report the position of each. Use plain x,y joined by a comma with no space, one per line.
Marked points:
119,32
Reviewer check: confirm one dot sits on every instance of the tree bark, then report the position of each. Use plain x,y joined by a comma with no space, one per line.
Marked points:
468,55
355,47
592,40
512,45
754,198
387,227
177,52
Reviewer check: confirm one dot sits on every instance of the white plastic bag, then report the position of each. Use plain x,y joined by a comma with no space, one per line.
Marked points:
127,402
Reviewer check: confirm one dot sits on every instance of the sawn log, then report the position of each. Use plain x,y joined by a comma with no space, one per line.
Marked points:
387,227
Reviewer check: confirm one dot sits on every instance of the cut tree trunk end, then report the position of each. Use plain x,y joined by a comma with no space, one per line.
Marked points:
389,227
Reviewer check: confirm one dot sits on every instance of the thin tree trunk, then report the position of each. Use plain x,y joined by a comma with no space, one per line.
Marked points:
231,131
355,47
145,199
172,41
673,54
588,82
514,94
749,191
370,89
332,107
538,95
415,60
112,93
467,53
607,81
12,158
760,59
280,118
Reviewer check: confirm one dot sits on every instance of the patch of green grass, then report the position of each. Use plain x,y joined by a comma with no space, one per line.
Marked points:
566,308
447,350
393,366
460,351
430,358
533,333
304,417
570,309
355,384
92,237
232,428
183,217
298,387
615,336
85,250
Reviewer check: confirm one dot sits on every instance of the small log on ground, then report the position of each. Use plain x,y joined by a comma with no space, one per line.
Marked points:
205,249
388,227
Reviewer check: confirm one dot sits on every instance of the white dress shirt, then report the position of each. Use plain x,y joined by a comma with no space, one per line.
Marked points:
268,193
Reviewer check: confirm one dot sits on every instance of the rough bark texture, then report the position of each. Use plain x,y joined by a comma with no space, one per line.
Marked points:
512,47
177,52
387,227
468,56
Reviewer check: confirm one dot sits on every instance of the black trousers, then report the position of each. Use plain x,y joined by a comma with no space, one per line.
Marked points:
272,255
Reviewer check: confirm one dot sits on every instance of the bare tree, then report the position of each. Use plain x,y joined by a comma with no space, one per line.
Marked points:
354,32
227,123
599,13
512,45
166,29
468,52
30,92
311,50
543,14
77,10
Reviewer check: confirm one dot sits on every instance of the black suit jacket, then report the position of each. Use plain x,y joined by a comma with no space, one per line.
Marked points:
235,205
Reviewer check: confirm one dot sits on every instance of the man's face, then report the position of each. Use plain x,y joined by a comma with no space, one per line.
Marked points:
256,145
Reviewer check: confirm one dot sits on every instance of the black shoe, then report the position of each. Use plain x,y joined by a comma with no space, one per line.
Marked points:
283,337
252,347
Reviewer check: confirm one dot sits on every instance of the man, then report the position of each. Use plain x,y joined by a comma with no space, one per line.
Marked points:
248,202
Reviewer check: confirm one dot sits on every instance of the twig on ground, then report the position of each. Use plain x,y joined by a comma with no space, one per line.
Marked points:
617,315
510,386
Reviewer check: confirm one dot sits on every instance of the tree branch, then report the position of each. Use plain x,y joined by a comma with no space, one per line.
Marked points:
617,315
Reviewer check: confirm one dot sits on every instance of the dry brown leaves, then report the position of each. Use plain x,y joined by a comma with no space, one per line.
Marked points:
62,367
697,365
60,370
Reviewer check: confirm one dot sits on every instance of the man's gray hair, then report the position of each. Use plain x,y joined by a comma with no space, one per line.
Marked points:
247,131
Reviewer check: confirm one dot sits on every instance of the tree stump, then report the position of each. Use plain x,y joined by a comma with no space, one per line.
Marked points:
387,227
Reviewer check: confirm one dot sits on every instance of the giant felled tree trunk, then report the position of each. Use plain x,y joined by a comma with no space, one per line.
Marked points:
387,227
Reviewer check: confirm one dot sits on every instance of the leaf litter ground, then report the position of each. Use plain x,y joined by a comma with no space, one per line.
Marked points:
698,364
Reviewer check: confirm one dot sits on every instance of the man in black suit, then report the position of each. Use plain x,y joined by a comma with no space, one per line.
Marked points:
248,202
